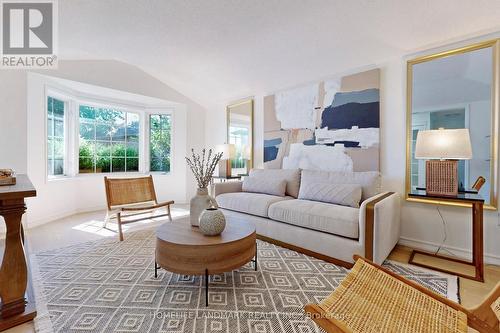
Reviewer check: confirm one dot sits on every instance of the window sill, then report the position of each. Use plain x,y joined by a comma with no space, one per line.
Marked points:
51,179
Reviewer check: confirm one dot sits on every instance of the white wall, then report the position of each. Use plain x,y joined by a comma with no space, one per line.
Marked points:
24,106
421,225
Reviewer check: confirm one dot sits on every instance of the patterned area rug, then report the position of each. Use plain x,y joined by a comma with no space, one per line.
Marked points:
109,286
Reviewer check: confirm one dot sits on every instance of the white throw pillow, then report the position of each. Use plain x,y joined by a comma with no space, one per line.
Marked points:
292,177
368,180
264,185
339,194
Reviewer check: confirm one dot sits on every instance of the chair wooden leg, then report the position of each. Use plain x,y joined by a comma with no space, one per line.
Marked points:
119,221
169,213
106,220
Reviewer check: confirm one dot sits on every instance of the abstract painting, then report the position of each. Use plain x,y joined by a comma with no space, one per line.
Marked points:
330,125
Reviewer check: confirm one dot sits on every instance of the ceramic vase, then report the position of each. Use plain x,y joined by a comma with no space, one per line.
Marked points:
212,222
198,204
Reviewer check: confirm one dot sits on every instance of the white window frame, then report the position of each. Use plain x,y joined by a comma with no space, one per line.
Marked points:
72,102
147,159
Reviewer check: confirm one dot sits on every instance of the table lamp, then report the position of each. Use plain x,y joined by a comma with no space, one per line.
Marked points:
442,149
228,152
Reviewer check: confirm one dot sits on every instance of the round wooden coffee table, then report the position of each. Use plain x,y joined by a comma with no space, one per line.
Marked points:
183,249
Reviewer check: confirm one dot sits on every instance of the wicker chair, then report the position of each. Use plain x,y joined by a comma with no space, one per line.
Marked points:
373,299
128,197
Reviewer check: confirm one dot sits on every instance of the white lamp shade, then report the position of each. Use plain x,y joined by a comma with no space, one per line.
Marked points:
228,150
453,144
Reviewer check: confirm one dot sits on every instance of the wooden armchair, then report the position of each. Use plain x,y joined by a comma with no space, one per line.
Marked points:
127,197
373,299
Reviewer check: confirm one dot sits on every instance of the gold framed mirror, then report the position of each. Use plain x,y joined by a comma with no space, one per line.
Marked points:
451,90
240,134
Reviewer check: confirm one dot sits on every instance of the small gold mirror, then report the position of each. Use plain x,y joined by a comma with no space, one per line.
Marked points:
457,89
240,134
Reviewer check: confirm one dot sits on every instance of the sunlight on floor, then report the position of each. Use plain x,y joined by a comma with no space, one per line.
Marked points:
95,226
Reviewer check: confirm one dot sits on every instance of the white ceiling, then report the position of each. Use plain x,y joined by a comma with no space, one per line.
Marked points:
215,51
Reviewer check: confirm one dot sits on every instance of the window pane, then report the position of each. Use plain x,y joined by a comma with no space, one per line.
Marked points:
103,132
58,167
118,164
58,148
103,148
155,164
87,130
159,142
118,133
133,150
87,112
103,164
50,126
87,148
86,165
59,127
110,115
118,149
132,127
58,108
155,122
132,164
55,136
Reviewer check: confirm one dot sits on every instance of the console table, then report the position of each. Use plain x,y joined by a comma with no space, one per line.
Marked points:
476,202
16,305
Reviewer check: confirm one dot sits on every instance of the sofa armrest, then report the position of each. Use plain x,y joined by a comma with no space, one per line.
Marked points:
379,223
226,187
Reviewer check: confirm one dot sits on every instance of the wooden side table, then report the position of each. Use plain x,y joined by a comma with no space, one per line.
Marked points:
16,307
476,202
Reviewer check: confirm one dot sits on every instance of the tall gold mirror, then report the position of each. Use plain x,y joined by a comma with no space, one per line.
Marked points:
452,90
240,134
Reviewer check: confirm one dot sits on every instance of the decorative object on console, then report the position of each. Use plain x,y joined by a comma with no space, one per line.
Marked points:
203,167
227,151
332,125
7,177
443,148
212,222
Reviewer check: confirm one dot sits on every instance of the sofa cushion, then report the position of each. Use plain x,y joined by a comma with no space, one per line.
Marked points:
249,203
333,219
340,194
292,177
274,186
369,180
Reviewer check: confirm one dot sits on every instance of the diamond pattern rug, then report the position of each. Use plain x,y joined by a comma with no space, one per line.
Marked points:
109,286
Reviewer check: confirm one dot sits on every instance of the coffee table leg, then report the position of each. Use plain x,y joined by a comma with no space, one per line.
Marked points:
255,259
156,270
206,287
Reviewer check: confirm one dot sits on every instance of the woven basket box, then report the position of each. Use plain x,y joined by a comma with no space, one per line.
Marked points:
441,177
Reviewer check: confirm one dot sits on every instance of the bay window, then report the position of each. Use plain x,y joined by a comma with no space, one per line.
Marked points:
94,138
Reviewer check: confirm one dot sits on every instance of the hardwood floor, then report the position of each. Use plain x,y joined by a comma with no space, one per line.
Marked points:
471,292
84,227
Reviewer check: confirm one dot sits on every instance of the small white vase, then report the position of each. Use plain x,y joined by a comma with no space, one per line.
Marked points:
198,203
212,222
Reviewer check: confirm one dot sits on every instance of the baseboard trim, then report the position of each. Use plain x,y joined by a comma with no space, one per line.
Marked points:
32,223
459,252
306,252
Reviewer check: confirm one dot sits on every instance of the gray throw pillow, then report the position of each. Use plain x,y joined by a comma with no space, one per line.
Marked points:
340,194
264,185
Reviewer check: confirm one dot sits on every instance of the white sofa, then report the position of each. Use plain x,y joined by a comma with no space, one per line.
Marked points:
328,231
